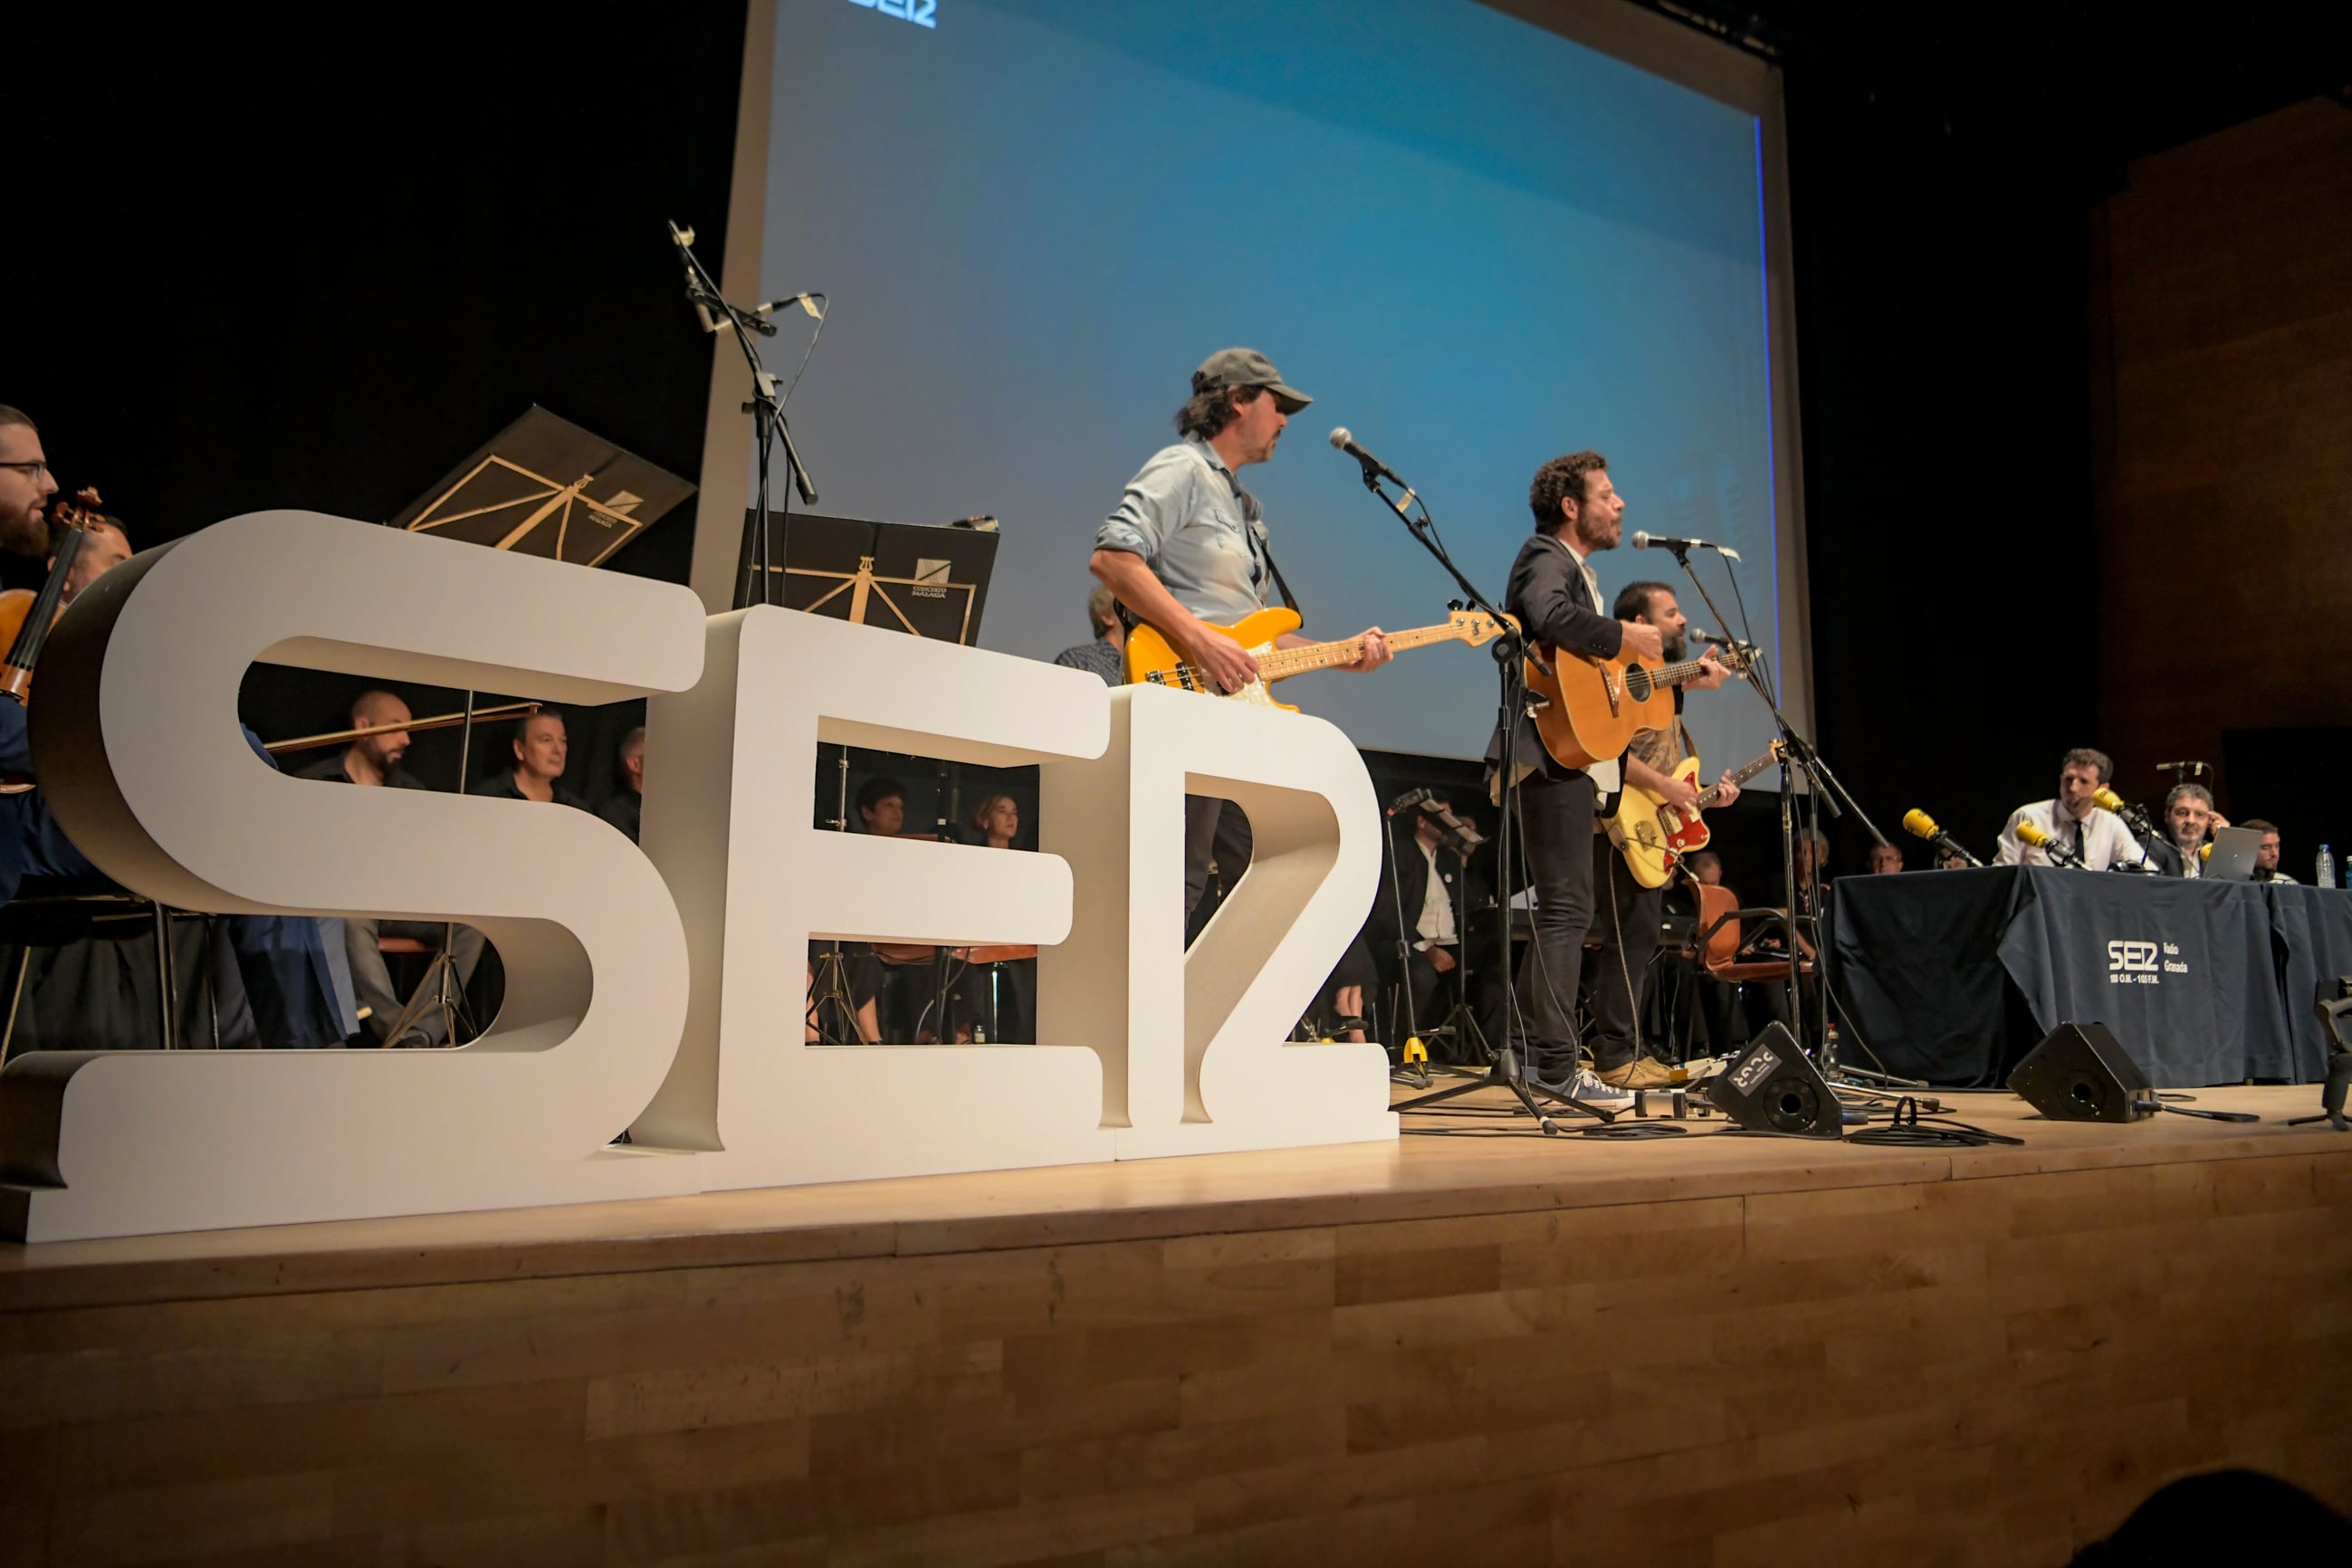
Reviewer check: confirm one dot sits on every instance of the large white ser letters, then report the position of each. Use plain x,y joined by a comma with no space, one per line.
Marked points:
757,882
665,994
141,758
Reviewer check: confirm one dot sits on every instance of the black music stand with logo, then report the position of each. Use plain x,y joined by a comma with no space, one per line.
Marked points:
928,581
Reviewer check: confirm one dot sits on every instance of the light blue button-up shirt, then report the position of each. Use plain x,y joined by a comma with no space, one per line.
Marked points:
1202,535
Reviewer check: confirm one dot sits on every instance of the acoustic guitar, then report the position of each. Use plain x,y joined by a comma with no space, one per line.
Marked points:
1591,708
1654,836
1151,660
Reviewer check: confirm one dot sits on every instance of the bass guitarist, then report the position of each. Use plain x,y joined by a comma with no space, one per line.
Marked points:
1556,597
1187,547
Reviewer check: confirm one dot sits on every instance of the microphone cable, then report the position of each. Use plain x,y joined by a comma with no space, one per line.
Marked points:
1906,1129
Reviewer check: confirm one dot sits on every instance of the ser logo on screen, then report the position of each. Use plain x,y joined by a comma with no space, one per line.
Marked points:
922,13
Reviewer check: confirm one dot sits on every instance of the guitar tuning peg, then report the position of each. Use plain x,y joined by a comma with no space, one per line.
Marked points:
1452,604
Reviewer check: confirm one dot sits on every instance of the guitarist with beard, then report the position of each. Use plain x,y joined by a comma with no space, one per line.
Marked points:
1628,913
1187,547
1556,597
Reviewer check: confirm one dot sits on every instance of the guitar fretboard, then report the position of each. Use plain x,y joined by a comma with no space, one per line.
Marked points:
1282,662
1739,775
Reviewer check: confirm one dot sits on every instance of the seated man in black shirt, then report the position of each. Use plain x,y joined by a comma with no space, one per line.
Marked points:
1105,655
540,749
374,761
626,809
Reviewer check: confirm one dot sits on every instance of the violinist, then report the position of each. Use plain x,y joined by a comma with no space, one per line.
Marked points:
297,997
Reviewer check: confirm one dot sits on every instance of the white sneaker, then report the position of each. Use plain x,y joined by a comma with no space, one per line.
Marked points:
1588,1089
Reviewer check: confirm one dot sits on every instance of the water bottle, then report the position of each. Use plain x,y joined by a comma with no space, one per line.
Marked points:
2325,872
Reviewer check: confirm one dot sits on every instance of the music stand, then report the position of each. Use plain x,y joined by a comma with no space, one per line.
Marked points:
925,581
545,487
534,489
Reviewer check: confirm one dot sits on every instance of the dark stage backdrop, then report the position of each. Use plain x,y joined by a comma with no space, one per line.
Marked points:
1940,301
258,259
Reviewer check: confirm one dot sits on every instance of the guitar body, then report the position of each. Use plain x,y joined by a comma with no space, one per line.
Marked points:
1153,659
1653,835
1592,707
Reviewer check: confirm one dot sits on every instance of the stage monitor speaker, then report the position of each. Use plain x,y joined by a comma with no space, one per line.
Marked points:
1775,1088
2079,1073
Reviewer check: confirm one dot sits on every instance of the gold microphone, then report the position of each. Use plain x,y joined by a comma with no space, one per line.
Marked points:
2104,796
2034,834
1919,825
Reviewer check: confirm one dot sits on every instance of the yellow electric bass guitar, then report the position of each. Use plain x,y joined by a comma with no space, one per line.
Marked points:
1588,710
1654,836
1153,659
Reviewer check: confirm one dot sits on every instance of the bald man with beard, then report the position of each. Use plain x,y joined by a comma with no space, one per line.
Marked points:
375,761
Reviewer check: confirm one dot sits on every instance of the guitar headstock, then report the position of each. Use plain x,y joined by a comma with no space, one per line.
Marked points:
1477,627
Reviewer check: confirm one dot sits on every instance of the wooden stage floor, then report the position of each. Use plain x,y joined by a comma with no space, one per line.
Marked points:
1712,1349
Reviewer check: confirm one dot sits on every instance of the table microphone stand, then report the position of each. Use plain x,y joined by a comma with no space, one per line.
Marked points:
1504,1069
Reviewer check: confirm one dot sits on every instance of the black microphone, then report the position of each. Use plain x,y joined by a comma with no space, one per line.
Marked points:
1411,797
1698,638
1660,541
1346,443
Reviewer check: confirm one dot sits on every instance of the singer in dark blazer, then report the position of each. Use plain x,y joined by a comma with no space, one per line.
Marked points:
1556,597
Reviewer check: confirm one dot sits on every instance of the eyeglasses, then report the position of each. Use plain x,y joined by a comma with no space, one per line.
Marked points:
35,467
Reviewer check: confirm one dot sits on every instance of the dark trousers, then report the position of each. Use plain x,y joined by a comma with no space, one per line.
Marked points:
1557,816
1626,917
1214,830
1422,978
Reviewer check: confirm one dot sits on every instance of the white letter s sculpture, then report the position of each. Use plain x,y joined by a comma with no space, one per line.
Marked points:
143,760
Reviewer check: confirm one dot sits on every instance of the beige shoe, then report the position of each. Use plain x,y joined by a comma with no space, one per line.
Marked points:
1639,1073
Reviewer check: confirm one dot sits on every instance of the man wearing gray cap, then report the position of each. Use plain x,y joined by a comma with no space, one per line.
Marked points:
1186,551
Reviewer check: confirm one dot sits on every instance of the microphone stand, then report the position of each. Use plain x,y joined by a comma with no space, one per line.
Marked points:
760,557
1403,945
1798,755
1503,1066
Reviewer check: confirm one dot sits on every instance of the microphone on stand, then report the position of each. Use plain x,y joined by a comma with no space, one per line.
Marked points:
1409,799
1698,638
2032,833
1919,825
1345,442
1660,541
684,239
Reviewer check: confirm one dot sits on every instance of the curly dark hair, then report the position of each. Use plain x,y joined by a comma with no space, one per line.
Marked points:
1212,408
1560,480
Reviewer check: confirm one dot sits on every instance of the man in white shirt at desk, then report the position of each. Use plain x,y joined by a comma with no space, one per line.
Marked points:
2075,824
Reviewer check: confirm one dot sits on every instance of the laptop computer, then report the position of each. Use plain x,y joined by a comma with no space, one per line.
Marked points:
2232,855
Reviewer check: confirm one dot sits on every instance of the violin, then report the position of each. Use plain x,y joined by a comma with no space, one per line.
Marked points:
26,617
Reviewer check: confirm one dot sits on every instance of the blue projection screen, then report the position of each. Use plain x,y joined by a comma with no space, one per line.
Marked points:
1478,244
